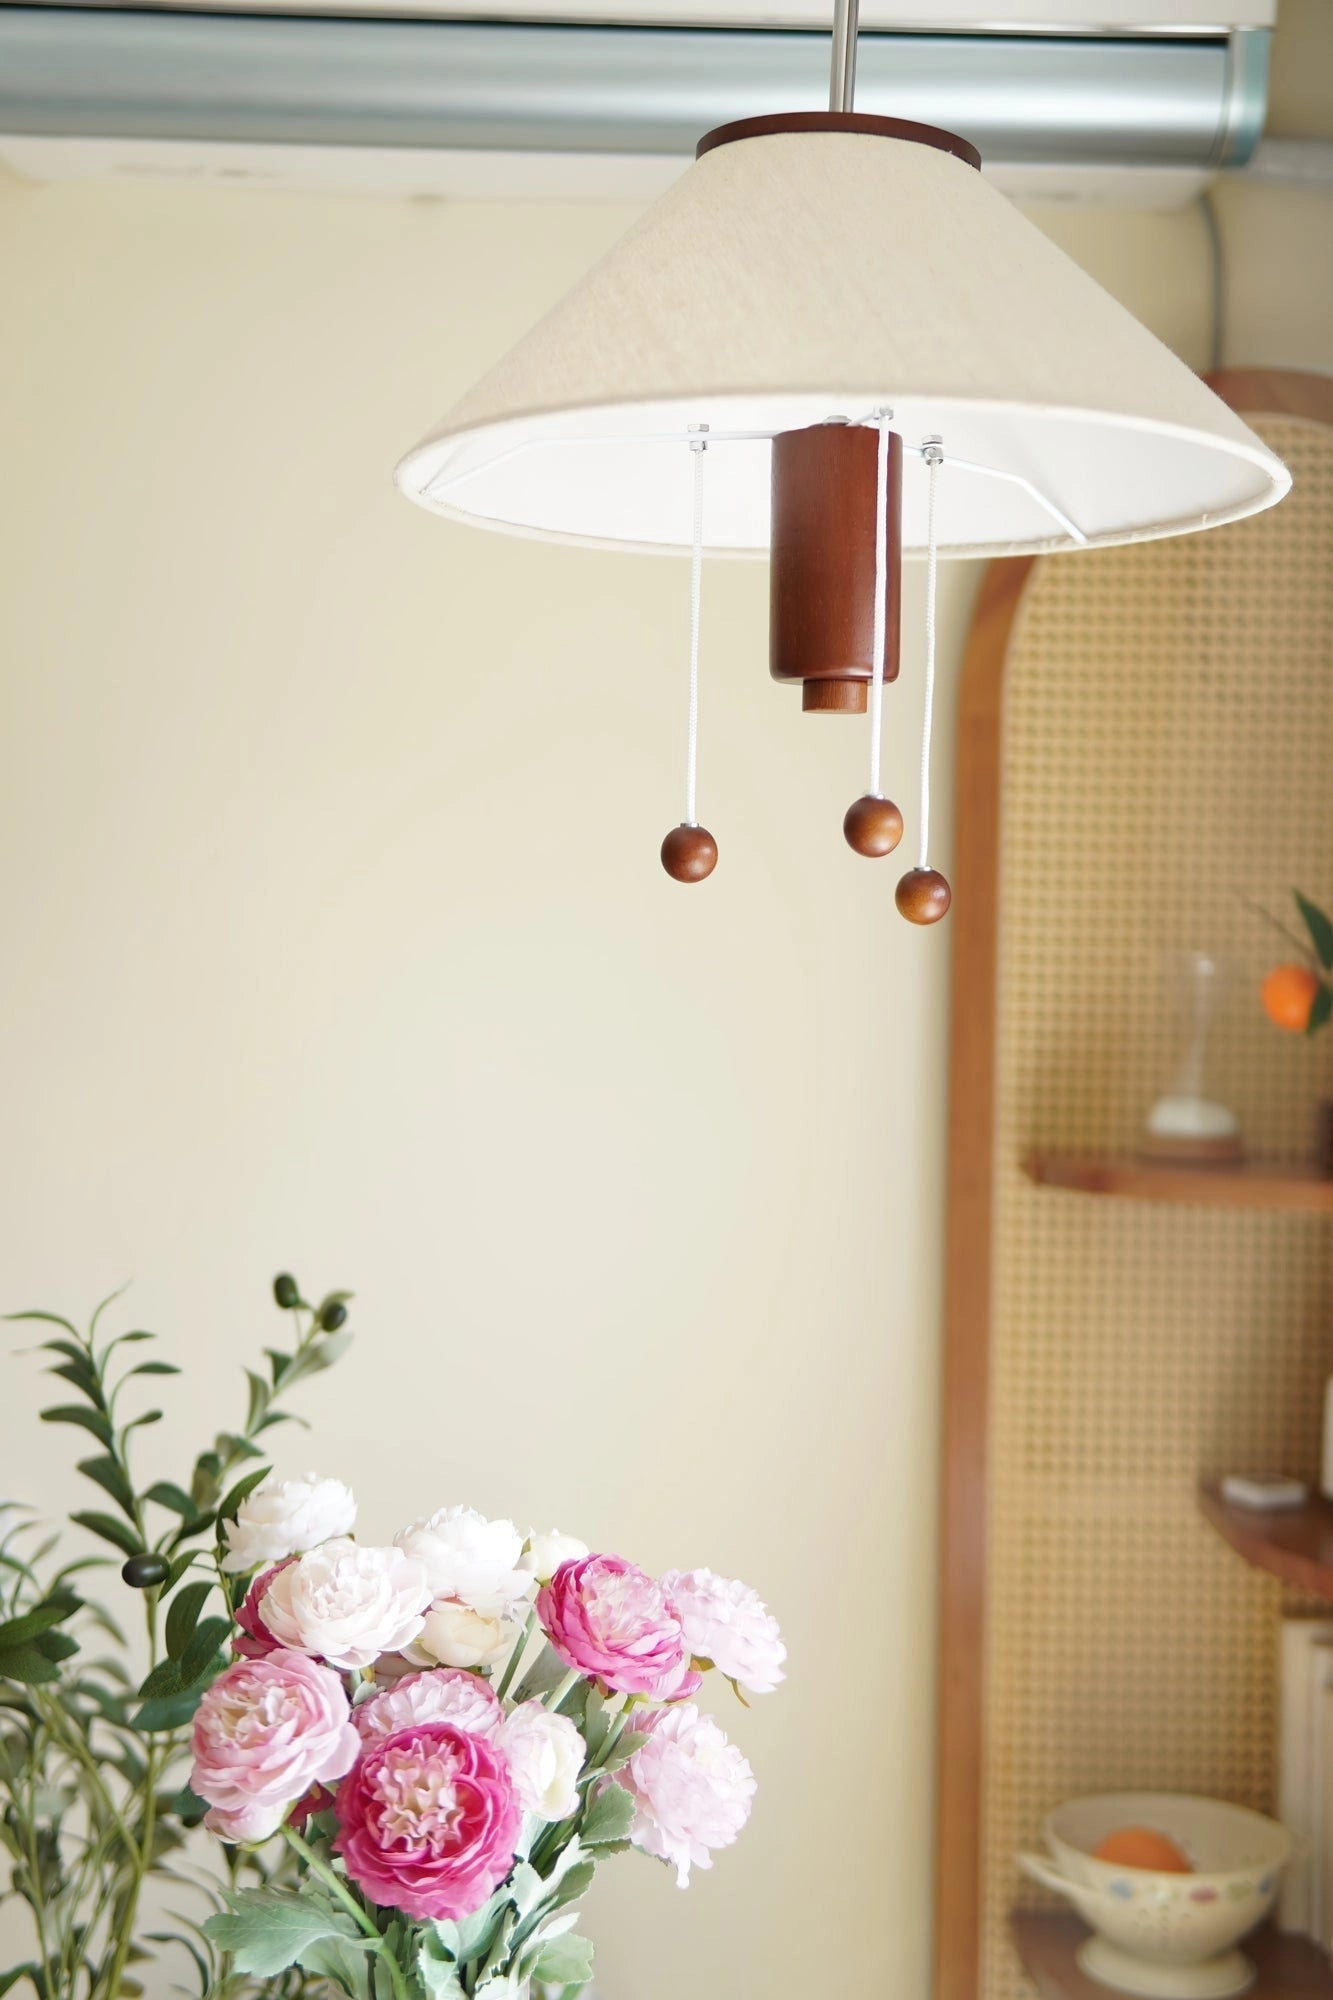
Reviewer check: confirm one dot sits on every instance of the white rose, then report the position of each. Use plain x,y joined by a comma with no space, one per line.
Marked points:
286,1517
545,1755
469,1558
545,1553
346,1604
454,1635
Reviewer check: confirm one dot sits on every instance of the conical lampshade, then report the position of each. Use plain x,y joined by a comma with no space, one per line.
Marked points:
798,275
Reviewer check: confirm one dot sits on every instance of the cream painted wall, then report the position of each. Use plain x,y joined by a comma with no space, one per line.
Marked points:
336,939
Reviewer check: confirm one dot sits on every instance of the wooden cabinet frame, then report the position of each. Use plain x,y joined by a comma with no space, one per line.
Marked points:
960,1759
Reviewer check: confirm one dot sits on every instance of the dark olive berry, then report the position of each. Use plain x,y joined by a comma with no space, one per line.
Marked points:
332,1315
142,1572
286,1291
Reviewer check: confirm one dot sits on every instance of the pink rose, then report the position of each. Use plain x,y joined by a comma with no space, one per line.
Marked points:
258,1640
727,1623
691,1789
614,1623
446,1695
428,1821
264,1733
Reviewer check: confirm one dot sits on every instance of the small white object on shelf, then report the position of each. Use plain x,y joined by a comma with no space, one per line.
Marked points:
1264,1491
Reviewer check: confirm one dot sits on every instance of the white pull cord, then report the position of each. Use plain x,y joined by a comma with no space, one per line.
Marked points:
933,452
882,420
698,449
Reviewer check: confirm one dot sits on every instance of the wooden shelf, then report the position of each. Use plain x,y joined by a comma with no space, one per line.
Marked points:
1289,1968
1294,1543
1301,1188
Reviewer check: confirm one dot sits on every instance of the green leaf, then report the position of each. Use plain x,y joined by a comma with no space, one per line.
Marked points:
196,1525
56,1645
565,1961
29,1971
476,1933
26,1664
81,1374
575,1882
178,1568
110,1476
151,1368
259,1398
164,1679
1319,927
609,1816
50,1319
1320,1009
324,1352
53,1610
169,1711
91,1420
632,1740
207,1639
183,1616
266,1930
446,1935
110,1530
435,1969
167,1495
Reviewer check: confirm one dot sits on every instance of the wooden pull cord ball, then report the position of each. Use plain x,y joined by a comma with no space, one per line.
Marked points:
873,825
689,852
923,895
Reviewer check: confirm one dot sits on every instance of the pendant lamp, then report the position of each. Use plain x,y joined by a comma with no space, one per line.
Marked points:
834,344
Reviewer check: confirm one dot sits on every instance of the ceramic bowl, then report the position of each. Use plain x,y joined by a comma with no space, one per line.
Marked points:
1172,1937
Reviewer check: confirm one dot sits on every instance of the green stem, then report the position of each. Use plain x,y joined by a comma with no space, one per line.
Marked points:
344,1895
520,1648
613,1736
331,1882
560,1695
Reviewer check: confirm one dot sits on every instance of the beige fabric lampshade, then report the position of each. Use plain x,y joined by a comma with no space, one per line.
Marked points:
794,277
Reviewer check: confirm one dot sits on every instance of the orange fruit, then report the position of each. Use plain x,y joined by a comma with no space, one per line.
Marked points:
1288,995
1140,1847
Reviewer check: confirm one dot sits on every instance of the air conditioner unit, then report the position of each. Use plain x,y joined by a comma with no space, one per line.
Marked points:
1067,99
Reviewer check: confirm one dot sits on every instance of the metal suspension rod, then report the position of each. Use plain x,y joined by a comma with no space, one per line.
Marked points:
842,73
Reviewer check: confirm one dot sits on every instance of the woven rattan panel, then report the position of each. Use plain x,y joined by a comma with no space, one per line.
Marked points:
1167,753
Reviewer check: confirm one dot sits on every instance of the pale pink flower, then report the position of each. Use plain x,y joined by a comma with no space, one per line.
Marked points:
429,1820
285,1518
545,1753
616,1624
264,1733
727,1623
440,1696
692,1790
346,1604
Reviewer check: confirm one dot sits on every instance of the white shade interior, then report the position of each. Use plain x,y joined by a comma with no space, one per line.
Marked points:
797,277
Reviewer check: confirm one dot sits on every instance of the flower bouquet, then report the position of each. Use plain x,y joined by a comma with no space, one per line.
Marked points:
450,1733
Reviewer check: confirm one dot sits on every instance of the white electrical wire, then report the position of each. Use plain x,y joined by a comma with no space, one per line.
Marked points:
933,454
698,449
882,418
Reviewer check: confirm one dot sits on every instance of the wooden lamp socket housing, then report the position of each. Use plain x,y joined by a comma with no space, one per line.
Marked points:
822,563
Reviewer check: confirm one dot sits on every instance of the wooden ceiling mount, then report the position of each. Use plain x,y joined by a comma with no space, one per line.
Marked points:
822,563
